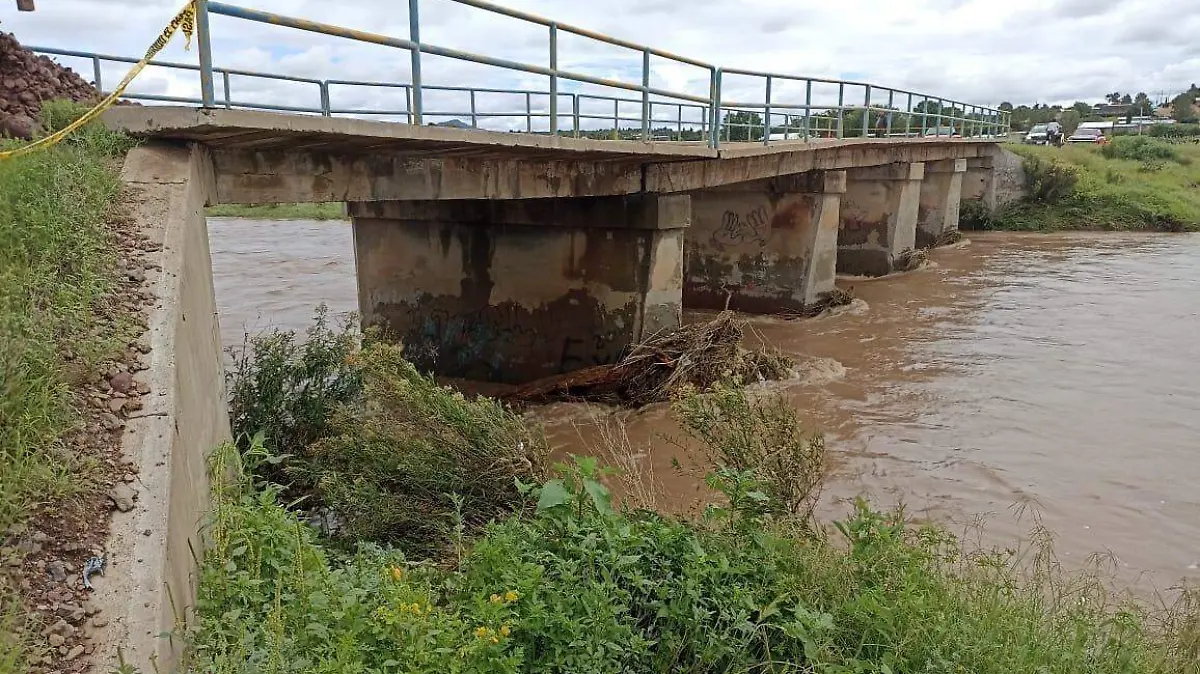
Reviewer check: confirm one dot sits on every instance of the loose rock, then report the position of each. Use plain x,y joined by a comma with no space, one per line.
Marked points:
122,382
123,497
57,571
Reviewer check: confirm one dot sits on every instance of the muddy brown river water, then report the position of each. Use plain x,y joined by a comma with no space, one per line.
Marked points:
1056,374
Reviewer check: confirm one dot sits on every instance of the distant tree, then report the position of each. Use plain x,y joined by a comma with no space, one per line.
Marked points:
1182,107
1141,104
1005,107
1082,108
1070,120
743,125
1113,98
1126,100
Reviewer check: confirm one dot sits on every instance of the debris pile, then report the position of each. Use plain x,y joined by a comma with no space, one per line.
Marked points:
26,80
948,237
696,357
911,259
834,298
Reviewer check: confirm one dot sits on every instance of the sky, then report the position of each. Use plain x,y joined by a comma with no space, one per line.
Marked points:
977,51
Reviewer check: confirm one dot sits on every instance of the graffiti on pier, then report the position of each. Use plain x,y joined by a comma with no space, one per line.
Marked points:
738,229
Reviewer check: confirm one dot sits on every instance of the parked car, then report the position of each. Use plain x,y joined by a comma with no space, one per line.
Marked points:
1088,136
943,131
1037,135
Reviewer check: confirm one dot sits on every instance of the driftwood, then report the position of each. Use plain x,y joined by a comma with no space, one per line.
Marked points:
695,356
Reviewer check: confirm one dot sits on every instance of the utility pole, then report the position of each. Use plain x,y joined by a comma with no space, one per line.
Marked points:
24,5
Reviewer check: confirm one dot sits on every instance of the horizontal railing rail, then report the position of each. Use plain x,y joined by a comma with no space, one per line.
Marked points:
871,110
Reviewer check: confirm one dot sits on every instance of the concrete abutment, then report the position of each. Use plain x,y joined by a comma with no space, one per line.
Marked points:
766,246
514,290
879,217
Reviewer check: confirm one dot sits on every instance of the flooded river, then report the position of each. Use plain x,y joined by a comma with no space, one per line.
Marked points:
1055,374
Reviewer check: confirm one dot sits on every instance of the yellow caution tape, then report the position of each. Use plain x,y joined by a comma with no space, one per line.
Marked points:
185,20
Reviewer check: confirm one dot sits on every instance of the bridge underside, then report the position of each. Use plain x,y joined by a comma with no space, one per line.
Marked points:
509,257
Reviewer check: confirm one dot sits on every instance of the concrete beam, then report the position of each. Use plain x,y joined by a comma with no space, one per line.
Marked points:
634,211
941,194
518,299
764,247
786,159
879,218
250,176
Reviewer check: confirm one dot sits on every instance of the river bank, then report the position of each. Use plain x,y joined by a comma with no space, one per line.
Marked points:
1137,183
322,211
569,579
71,309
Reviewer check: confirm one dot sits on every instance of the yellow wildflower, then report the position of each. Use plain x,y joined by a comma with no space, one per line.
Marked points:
397,572
496,599
504,630
416,608
511,595
495,640
481,632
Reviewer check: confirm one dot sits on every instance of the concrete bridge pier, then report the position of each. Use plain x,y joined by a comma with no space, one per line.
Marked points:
941,194
766,246
514,290
879,217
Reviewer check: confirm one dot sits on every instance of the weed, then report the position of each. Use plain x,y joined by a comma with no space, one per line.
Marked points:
759,434
389,466
1140,148
57,265
288,391
1049,182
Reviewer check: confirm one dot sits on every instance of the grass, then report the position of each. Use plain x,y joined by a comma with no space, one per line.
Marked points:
301,211
562,580
1136,183
57,265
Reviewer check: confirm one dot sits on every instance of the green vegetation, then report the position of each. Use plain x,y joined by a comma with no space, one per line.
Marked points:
1134,183
1176,131
559,579
322,211
57,265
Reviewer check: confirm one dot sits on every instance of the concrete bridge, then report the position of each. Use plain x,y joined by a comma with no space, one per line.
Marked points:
509,257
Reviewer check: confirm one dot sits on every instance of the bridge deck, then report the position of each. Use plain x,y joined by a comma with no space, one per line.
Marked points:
256,130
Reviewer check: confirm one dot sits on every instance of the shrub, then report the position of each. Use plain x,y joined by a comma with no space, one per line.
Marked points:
1140,148
759,435
287,391
1049,182
390,466
1175,131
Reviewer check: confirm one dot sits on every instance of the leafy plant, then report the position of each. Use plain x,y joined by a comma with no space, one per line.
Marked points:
1049,182
287,390
389,466
762,435
1140,148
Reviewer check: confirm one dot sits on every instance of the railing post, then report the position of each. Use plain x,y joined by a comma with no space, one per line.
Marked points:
204,43
714,109
528,113
326,107
414,35
96,73
908,118
891,104
679,124
841,110
575,112
807,110
766,117
941,110
225,87
408,102
924,116
474,118
616,119
866,129
646,94
553,79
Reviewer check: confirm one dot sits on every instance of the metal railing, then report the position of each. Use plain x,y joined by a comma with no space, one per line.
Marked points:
710,118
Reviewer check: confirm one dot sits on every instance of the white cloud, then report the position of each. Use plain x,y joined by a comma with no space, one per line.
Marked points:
974,50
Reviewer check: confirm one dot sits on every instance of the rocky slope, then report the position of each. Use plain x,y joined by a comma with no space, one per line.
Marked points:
26,80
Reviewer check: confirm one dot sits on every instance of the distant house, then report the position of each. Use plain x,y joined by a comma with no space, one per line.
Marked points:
1111,110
